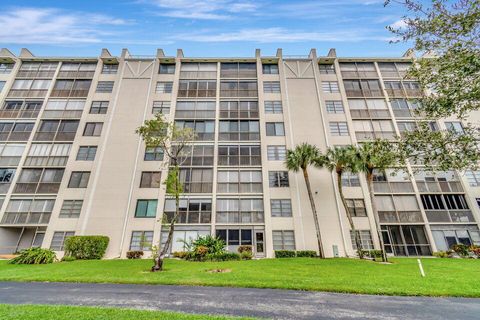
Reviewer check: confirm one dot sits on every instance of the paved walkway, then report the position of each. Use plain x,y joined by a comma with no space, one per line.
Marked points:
266,303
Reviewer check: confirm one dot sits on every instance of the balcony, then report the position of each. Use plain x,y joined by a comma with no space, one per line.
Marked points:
10,161
414,92
15,136
35,74
239,93
363,93
56,93
198,74
239,217
26,218
191,217
369,135
359,74
197,93
238,136
248,74
403,113
239,160
395,92
12,114
239,187
194,114
54,136
393,187
76,74
459,216
235,114
46,161
369,114
400,216
4,187
35,187
27,93
197,187
439,186
62,114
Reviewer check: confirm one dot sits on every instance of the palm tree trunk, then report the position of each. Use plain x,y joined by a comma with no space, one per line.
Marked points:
375,214
314,211
161,255
356,236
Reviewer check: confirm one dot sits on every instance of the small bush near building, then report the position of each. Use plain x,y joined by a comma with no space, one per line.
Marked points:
284,254
441,254
35,256
223,256
207,248
372,254
246,255
180,254
86,247
68,259
134,254
306,254
461,249
244,248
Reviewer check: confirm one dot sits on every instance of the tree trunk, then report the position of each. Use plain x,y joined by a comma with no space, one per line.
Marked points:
161,255
375,214
314,211
349,216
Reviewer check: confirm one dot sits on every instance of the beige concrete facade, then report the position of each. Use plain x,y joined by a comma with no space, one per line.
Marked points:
49,190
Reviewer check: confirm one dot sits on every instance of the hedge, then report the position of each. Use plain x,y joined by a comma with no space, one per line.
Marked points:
86,247
284,254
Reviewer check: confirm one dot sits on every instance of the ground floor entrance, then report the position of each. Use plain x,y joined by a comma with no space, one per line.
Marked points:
406,240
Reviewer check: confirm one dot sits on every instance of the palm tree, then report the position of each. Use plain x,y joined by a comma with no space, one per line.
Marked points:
376,155
300,158
339,160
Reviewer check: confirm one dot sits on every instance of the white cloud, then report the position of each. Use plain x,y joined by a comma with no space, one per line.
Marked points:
53,26
269,35
399,24
203,9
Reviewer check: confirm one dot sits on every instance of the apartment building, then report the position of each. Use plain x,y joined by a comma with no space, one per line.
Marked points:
71,163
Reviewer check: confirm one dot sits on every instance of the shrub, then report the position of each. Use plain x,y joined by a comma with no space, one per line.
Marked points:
68,258
306,254
441,254
224,256
86,247
373,254
475,250
134,254
284,254
246,255
180,254
34,256
244,248
205,246
460,249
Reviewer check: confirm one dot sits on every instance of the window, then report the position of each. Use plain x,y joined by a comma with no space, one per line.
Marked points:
197,88
141,241
86,153
240,211
58,240
275,129
162,107
203,129
166,68
473,178
281,207
271,87
338,129
270,68
153,154
239,181
478,201
238,89
278,179
146,209
276,153
99,107
196,180
362,88
239,130
238,109
274,107
79,179
109,68
235,237
326,68
195,155
283,240
6,68
330,86
105,86
350,179
164,87
150,179
41,180
202,70
191,210
239,155
2,84
365,240
71,208
93,129
356,207
48,154
334,106
455,127
59,130
195,109
238,70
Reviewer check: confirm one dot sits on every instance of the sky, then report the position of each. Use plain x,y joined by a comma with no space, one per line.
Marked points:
202,28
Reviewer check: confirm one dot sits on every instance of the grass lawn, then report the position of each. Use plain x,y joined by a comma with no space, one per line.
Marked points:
41,312
445,277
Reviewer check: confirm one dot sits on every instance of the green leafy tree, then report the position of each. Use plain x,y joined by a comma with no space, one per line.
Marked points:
377,155
299,159
447,34
340,160
158,133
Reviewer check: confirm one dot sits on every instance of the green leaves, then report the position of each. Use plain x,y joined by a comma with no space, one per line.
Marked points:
302,156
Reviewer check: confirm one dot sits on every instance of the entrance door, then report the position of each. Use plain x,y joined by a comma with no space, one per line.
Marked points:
259,244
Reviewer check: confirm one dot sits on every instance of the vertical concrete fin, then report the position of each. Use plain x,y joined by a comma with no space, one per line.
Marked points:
160,53
125,53
25,53
4,53
313,53
258,53
332,53
180,53
279,53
